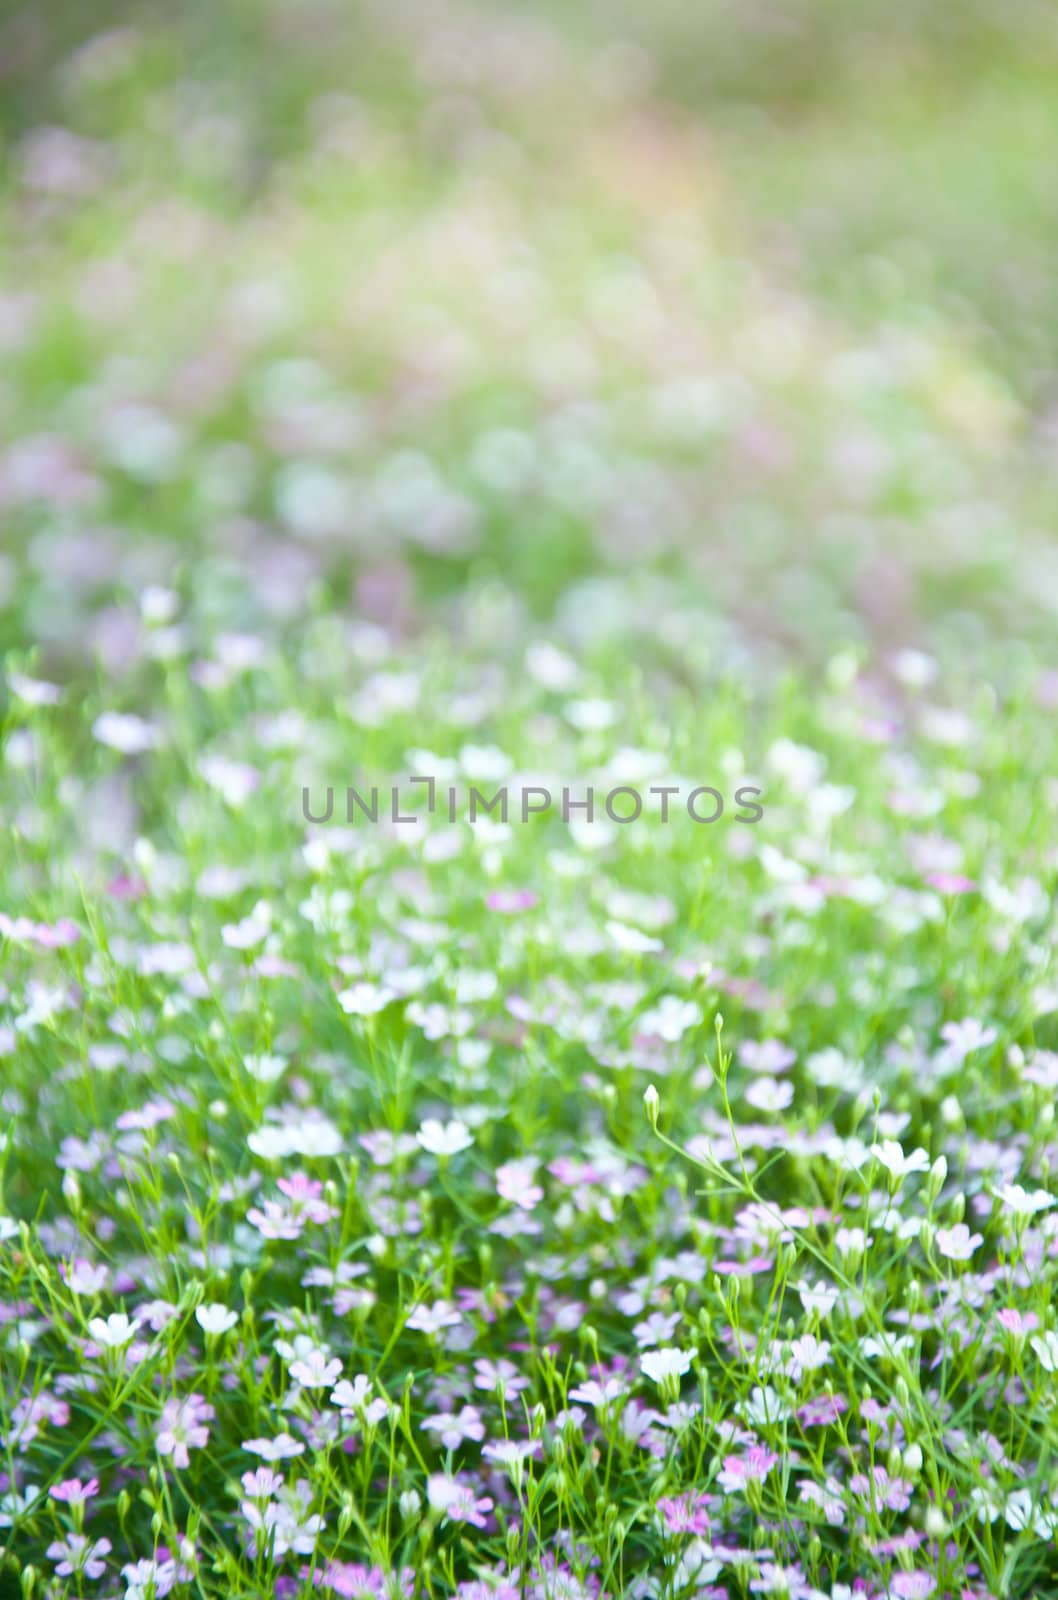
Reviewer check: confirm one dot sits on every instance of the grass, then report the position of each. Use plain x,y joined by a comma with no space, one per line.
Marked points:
526,1206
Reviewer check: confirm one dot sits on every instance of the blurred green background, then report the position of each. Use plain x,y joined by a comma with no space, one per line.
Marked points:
622,309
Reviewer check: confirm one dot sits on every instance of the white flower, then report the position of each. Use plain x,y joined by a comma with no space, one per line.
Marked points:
34,691
962,1039
1022,1203
265,1068
444,1138
807,1354
116,1331
272,1144
433,1318
252,930
958,1243
15,1505
1018,1509
764,1406
315,1371
985,1503
352,1396
281,1448
125,732
896,1163
818,1296
365,999
8,1229
631,941
313,1135
660,1365
308,1135
148,1580
235,780
767,1095
1046,1347
670,1018
215,1319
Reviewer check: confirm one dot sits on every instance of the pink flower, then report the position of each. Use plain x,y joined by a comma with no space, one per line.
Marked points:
950,882
182,1427
912,1586
511,901
275,1221
456,1500
72,1492
1016,1322
514,1182
593,1393
453,1428
85,1277
828,1498
305,1194
893,1493
753,1467
687,1514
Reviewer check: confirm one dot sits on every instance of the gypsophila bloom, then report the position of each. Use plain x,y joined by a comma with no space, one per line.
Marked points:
453,1428
73,1492
433,1318
1046,1347
957,1244
818,1297
123,731
685,1514
284,1525
115,1331
739,1471
529,846
1021,1202
828,1498
878,1488
282,1448
912,1586
457,1501
85,1277
807,1354
963,1038
182,1428
149,1579
514,1182
315,1370
897,1164
215,1319
765,1095
79,1556
445,1138
659,1365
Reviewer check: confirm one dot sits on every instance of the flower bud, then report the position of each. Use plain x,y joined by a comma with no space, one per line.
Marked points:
938,1174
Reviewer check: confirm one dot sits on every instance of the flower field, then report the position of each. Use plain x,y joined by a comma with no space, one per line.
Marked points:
528,1011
